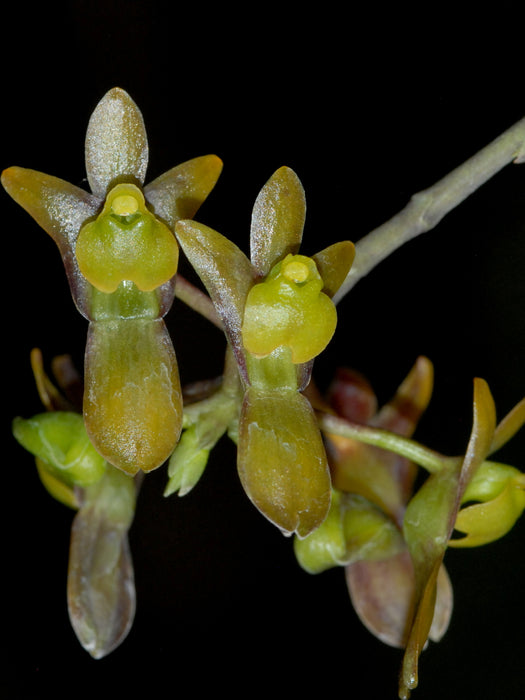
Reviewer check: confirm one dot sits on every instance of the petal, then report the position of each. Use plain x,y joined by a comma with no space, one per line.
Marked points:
179,192
277,220
486,522
100,585
334,264
282,462
224,270
56,487
60,209
116,143
402,413
481,438
351,396
382,596
57,206
508,426
133,399
365,470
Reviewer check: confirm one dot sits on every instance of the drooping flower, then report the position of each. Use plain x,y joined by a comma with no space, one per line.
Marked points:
120,256
277,315
396,578
372,487
100,583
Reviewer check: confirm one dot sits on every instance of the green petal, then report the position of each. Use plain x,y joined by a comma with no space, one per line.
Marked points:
481,439
56,486
179,192
486,522
57,206
133,399
281,460
60,209
224,270
116,143
508,426
334,264
277,220
100,584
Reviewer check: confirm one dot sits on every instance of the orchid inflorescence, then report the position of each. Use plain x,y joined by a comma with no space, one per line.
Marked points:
335,472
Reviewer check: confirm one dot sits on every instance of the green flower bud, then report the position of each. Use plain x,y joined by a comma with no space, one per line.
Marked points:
60,440
126,242
289,309
354,530
187,463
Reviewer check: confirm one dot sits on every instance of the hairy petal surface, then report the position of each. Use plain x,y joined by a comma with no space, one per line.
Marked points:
116,143
133,413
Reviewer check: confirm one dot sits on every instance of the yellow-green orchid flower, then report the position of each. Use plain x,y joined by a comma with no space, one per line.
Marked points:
278,315
120,255
435,512
100,582
372,486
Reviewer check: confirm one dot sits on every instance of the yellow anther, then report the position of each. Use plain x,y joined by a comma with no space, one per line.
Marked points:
296,271
124,205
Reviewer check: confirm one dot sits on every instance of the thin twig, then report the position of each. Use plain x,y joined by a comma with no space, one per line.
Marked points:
426,208
423,456
197,300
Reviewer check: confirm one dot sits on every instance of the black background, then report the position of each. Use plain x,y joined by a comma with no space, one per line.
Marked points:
368,107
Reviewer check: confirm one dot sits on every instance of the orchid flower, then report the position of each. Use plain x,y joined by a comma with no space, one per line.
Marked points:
436,511
372,487
392,541
100,583
278,315
120,256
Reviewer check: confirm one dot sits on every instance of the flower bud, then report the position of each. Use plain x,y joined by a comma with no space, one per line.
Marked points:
59,439
354,530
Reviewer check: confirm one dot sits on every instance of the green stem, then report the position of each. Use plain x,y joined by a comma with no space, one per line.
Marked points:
429,459
197,300
426,208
